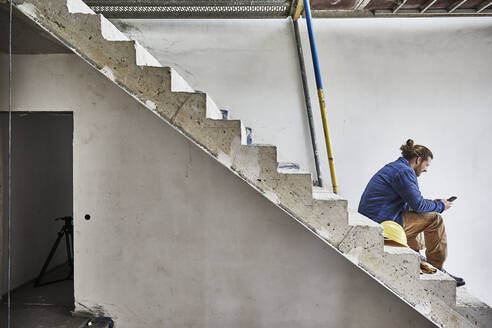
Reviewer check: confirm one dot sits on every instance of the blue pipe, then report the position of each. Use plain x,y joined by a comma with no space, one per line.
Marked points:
312,42
321,97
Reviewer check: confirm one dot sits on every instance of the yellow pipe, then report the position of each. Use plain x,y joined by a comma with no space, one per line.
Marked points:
299,9
327,140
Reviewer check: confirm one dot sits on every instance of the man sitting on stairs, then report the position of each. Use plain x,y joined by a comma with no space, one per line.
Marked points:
393,194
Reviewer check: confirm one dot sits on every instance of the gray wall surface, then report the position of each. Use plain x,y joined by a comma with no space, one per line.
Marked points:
175,239
41,190
386,80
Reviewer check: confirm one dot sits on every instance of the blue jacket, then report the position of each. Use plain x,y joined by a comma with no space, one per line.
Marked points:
392,190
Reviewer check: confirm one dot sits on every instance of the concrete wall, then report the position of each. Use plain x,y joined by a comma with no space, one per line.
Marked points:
41,190
247,66
174,238
386,80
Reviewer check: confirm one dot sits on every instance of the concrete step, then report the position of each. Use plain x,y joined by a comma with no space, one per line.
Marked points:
157,83
440,285
219,138
295,192
364,235
472,308
329,216
256,163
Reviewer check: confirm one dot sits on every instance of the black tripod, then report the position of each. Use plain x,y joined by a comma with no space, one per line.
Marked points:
66,230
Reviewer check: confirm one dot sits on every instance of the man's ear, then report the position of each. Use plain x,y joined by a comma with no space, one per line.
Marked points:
418,160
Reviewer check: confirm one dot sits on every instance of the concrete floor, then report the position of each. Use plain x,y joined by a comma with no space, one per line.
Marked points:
43,307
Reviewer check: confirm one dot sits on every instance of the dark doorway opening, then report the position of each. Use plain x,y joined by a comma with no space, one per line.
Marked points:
41,191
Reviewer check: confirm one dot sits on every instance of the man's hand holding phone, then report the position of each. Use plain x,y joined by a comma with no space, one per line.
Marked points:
448,202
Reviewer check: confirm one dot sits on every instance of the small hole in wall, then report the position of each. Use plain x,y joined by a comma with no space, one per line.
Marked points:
87,217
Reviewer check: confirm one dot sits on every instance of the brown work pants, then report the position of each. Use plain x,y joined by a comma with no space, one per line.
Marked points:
431,224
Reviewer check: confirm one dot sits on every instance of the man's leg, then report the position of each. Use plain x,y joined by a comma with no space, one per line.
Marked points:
432,225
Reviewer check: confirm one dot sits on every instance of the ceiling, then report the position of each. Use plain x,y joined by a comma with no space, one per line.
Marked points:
30,40
284,8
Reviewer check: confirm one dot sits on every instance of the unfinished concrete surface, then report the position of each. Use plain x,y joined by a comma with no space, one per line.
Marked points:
188,113
375,72
175,239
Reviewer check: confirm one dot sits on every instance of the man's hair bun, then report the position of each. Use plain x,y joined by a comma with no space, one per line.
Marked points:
407,148
409,151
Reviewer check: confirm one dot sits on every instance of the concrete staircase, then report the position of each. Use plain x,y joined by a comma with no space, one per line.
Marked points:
195,115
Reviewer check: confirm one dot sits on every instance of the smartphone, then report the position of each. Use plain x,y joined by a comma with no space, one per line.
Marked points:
452,199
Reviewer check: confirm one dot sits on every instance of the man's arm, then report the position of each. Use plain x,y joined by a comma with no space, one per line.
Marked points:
406,185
